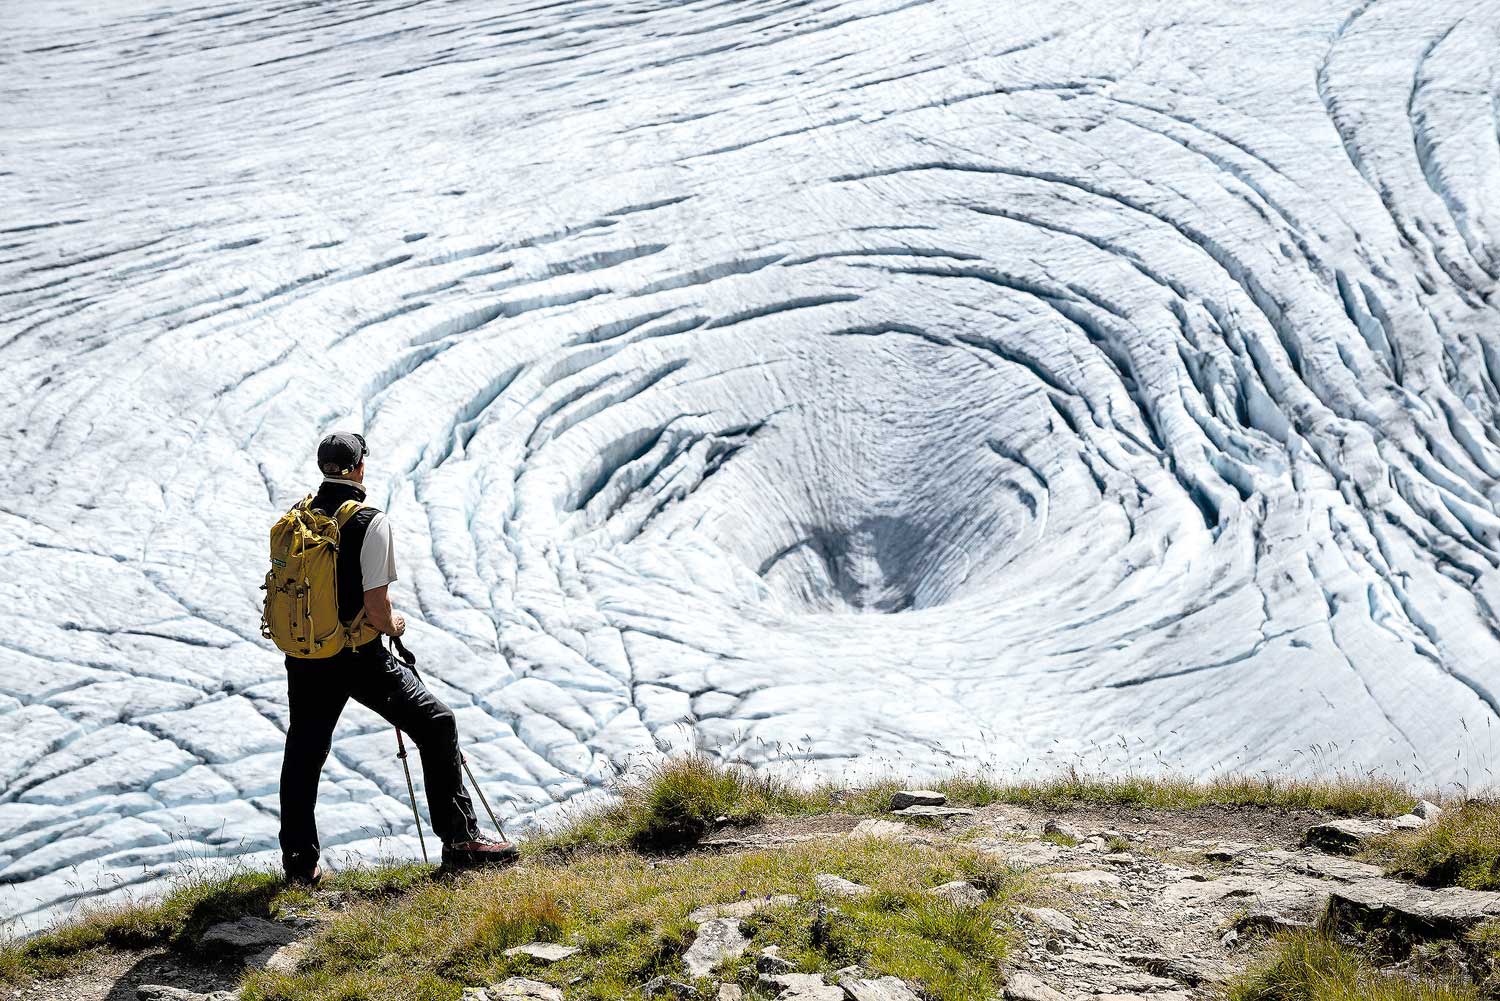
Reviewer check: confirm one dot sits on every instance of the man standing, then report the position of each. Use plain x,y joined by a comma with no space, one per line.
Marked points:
318,689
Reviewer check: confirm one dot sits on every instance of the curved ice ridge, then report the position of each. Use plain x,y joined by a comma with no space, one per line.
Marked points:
840,385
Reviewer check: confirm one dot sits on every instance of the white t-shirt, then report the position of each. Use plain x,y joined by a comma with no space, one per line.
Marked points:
377,556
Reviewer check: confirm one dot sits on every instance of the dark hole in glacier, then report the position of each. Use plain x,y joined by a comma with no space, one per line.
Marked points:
879,564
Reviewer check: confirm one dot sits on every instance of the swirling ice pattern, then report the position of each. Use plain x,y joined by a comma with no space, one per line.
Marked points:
872,383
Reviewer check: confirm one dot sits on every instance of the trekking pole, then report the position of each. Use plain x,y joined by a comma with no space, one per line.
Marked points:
411,794
410,660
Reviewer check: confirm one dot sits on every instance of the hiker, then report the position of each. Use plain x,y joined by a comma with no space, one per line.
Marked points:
347,659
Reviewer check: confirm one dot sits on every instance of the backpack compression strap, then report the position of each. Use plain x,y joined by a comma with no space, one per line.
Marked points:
359,627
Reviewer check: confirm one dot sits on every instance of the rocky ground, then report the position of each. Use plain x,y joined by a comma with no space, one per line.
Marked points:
1129,905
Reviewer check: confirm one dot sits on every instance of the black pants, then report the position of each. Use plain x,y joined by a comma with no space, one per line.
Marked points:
317,691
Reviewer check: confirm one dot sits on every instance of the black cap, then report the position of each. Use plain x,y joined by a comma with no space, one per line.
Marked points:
340,452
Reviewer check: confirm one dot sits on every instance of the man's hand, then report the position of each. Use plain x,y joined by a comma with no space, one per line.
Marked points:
379,613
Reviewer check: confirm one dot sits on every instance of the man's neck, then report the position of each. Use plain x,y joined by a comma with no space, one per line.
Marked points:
358,487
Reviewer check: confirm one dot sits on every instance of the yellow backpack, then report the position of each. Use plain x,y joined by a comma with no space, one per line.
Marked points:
301,614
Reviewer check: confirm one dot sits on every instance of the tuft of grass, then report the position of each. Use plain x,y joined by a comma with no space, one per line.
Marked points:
177,920
1349,795
1060,839
1460,848
1309,965
628,916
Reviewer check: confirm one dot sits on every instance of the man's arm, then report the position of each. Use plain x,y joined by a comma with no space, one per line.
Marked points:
380,614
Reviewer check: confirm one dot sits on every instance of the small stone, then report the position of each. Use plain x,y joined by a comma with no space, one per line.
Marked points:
959,894
659,986
1409,822
838,886
917,797
717,940
1058,829
730,992
1428,810
521,989
160,992
770,962
1049,918
1229,939
884,989
1025,987
247,933
543,952
474,994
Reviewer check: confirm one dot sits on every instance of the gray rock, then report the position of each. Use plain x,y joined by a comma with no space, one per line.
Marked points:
247,933
1344,837
884,989
1088,877
159,992
474,994
1428,810
1184,969
717,940
1058,829
880,829
543,952
801,987
838,886
1386,902
1049,918
917,797
730,992
521,989
1022,854
959,894
770,961
1025,987
740,908
1409,822
666,987
933,812
280,959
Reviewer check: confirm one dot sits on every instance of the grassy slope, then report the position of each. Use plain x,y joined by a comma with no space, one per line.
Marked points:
609,882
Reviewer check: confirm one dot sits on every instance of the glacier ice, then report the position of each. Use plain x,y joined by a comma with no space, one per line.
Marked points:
834,386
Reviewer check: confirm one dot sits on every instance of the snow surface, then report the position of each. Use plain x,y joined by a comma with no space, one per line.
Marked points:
835,385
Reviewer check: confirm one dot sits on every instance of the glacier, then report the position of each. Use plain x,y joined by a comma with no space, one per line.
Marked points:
837,386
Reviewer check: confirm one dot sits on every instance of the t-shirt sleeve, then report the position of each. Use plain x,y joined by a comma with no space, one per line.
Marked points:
377,557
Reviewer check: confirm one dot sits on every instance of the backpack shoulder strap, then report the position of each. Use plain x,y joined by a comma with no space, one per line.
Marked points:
347,510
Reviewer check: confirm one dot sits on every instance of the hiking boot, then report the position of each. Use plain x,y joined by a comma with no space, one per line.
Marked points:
480,853
310,878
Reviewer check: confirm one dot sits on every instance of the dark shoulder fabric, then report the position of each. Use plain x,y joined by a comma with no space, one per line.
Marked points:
351,575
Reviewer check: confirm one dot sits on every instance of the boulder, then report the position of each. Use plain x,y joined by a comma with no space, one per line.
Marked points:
770,961
543,952
1346,836
1025,987
730,992
717,940
666,987
1428,810
247,933
917,797
1267,922
521,989
838,886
